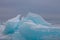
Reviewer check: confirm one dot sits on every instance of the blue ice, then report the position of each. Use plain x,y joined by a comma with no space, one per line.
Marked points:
12,25
31,27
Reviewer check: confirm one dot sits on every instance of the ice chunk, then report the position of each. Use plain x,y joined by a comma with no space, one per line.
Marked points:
37,19
12,25
31,27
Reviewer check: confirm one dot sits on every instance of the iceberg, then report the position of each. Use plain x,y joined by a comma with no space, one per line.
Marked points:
31,27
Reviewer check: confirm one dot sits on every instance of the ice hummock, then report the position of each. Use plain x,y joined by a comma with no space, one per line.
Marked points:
31,27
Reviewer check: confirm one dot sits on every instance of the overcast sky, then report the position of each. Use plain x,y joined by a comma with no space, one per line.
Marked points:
49,9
